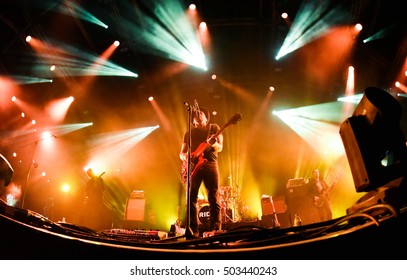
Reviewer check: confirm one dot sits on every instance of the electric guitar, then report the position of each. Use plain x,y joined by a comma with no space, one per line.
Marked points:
324,195
197,159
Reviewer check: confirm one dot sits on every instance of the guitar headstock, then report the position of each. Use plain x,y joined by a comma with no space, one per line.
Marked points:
233,120
237,117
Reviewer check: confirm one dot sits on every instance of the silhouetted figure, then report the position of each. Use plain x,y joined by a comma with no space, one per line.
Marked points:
319,190
6,175
96,214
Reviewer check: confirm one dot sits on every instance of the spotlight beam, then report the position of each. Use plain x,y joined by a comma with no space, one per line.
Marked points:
169,34
77,62
312,21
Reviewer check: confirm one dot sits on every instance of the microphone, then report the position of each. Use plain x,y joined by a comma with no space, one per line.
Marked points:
191,106
196,107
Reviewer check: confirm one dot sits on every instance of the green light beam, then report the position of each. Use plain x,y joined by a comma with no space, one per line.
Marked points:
313,20
73,9
172,37
67,128
328,112
113,146
318,128
21,80
382,33
70,8
79,63
355,99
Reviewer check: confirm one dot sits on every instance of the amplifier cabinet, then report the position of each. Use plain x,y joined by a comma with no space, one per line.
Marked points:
135,209
300,202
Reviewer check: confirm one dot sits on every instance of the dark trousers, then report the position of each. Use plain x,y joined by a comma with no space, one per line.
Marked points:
208,174
325,212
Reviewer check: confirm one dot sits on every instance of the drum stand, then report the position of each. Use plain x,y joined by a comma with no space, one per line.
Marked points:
225,217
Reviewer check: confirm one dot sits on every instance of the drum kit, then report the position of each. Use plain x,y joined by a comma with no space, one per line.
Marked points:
229,203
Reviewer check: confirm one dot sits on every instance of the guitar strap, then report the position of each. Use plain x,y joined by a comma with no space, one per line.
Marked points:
209,131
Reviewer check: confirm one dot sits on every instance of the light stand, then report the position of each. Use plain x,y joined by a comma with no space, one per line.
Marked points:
29,168
28,173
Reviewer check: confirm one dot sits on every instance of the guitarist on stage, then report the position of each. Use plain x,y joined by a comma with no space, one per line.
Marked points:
204,166
95,211
319,191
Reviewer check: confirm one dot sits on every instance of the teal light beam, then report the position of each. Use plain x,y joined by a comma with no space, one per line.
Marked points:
317,127
355,99
60,130
382,33
73,9
114,145
29,80
77,62
169,34
313,20
70,8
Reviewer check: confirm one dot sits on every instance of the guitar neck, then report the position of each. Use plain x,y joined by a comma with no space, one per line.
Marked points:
204,145
220,131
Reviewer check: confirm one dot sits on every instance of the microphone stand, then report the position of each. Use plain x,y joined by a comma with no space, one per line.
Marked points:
188,230
29,171
29,167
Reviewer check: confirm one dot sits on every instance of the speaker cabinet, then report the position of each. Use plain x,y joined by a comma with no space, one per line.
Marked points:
274,212
300,203
267,205
135,209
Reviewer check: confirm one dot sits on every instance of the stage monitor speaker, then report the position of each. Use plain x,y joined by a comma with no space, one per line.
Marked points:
281,208
274,210
135,209
267,205
269,211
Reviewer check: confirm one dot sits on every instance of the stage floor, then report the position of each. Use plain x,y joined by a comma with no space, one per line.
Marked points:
376,230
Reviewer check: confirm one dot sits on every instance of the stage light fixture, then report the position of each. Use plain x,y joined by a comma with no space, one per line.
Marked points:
375,146
373,140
